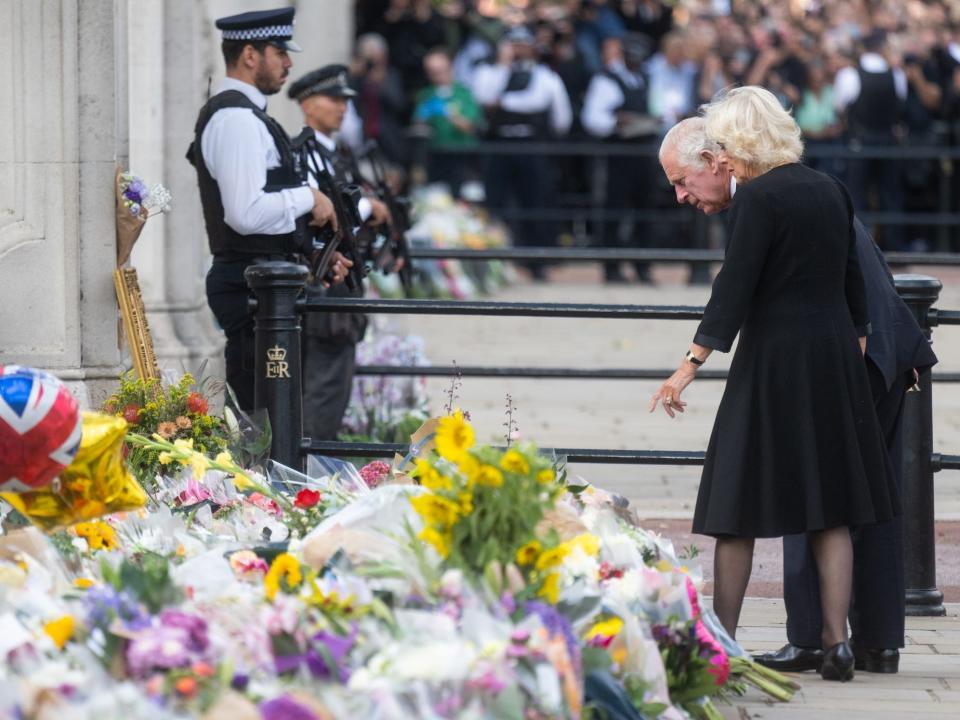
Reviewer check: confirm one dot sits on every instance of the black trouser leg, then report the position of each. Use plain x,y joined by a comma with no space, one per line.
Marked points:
877,610
228,296
328,370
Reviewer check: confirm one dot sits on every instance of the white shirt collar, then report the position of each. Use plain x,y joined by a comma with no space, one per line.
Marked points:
733,186
252,93
874,62
328,142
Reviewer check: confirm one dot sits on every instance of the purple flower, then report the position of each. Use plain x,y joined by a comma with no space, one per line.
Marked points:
196,628
103,604
285,708
337,650
158,648
556,624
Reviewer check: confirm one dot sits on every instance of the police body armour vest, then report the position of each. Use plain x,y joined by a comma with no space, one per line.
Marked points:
224,240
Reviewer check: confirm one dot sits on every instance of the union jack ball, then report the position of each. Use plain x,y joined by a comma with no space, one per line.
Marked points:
40,428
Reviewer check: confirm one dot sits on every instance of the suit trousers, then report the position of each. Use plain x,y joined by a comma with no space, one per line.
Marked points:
878,598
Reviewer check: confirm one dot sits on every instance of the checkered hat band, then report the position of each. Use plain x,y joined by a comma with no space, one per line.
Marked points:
326,84
260,33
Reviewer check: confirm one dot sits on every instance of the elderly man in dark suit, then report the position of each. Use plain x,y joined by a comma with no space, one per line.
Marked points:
896,348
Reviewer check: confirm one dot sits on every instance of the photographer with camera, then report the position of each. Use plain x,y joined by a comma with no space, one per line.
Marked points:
255,205
330,339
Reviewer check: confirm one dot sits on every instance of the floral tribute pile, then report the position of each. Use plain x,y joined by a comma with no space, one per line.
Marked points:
465,582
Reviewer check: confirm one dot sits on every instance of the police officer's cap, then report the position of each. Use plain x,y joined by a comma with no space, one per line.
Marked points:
329,80
519,34
271,26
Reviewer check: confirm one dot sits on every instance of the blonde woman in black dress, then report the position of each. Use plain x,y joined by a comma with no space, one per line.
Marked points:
796,446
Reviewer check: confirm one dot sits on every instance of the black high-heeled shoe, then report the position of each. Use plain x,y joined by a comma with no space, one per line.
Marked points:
838,663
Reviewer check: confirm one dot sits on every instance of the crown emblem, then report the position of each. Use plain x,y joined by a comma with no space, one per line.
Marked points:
276,353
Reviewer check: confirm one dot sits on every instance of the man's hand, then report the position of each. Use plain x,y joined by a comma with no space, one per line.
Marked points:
323,211
669,393
339,268
863,345
379,212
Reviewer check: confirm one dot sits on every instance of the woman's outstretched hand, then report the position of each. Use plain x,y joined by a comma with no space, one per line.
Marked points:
669,393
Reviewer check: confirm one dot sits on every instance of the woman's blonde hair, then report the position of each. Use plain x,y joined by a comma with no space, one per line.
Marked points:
753,127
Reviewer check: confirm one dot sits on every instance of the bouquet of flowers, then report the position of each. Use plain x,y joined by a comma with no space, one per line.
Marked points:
135,203
176,412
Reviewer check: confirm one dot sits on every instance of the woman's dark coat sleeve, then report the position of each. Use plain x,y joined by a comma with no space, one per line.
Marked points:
751,228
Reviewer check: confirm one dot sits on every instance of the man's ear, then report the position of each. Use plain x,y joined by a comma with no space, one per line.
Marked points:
710,160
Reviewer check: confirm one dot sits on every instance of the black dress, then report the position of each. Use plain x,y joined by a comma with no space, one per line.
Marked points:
796,445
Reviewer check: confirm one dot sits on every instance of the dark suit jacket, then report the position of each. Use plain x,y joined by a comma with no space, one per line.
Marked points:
897,344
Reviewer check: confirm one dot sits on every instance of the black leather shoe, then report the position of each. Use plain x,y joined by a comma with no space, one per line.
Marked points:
791,658
838,663
873,660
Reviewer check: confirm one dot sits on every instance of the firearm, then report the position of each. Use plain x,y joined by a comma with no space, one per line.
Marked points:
326,241
394,249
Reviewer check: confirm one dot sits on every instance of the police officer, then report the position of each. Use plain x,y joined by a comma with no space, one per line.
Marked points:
615,109
250,190
525,102
330,339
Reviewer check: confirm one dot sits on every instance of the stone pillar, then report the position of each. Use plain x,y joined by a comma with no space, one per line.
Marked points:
62,133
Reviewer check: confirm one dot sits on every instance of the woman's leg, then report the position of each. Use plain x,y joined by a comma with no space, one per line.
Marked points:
732,562
833,551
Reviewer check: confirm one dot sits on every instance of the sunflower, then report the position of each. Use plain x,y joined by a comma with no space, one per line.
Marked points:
527,555
440,541
285,569
454,436
436,510
514,462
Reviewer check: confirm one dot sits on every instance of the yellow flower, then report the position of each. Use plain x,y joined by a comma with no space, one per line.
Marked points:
165,458
589,543
430,477
545,476
83,583
468,465
454,436
466,503
436,510
200,464
99,535
605,628
183,445
514,462
60,630
488,476
550,589
527,555
285,567
223,458
242,482
553,556
440,541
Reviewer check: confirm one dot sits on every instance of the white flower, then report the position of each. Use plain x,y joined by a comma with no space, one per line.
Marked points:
160,198
80,544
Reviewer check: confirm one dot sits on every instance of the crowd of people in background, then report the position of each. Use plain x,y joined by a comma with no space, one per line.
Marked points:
855,73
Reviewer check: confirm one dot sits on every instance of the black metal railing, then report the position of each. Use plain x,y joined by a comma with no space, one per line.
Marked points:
278,389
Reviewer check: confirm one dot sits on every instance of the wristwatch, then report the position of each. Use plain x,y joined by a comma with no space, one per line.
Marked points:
693,358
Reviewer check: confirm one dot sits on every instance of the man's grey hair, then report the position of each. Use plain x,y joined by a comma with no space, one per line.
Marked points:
373,41
688,138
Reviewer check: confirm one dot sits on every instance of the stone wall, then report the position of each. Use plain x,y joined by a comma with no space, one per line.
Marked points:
62,132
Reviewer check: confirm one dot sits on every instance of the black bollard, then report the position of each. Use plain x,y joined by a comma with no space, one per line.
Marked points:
919,292
277,384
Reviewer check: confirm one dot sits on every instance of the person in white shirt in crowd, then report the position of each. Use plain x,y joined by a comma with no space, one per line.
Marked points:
525,102
615,108
330,339
255,204
870,95
672,79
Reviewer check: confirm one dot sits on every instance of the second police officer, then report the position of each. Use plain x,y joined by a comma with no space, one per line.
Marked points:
330,339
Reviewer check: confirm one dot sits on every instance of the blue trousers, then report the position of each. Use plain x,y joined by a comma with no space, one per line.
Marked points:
877,603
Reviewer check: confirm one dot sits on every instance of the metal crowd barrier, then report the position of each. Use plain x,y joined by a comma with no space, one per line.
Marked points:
277,303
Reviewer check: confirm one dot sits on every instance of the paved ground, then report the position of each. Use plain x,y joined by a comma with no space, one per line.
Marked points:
593,413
